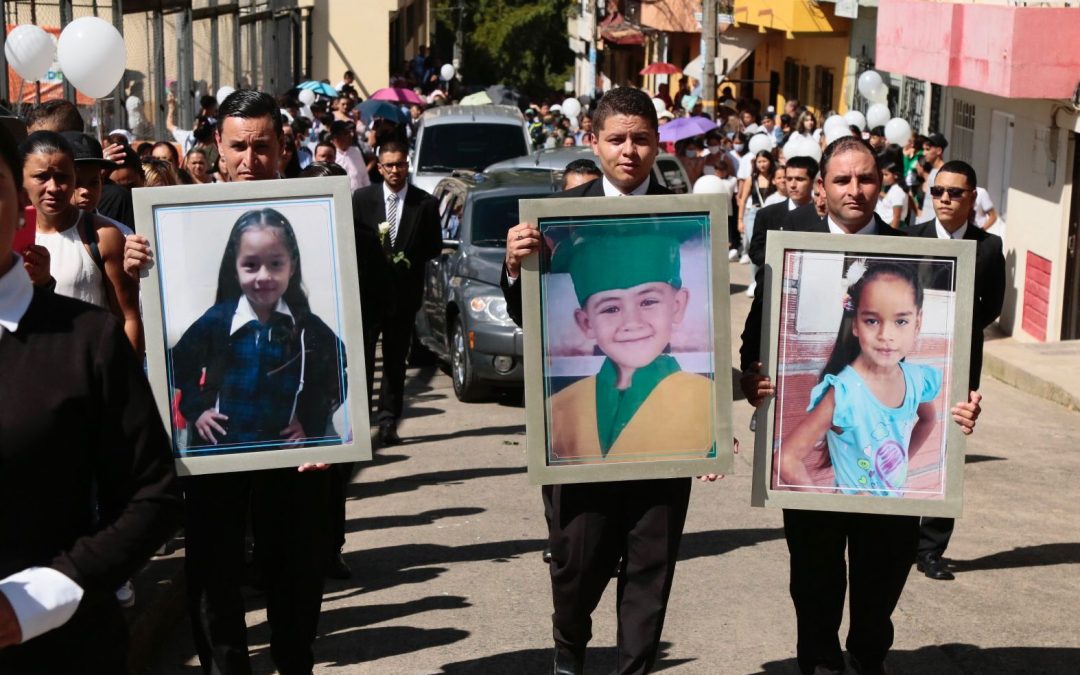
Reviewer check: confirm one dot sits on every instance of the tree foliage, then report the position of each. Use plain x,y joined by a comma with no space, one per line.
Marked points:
520,43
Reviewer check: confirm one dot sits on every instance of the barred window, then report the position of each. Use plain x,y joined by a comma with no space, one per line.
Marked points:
963,131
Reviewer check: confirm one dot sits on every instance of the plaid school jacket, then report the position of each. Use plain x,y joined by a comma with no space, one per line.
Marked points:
260,375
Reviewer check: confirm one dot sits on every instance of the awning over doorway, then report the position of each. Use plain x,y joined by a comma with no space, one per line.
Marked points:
733,47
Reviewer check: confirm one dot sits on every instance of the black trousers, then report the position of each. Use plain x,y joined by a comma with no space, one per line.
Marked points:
93,642
340,476
880,550
592,526
934,535
288,510
396,332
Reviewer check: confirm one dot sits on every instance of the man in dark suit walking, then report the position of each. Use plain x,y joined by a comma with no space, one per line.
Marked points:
880,548
405,221
799,174
953,194
592,525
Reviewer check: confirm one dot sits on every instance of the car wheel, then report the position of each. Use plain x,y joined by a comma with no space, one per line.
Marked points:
466,387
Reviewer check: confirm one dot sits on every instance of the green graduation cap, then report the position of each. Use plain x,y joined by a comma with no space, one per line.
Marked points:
604,258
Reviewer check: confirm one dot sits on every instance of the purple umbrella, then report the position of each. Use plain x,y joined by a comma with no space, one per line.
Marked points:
685,127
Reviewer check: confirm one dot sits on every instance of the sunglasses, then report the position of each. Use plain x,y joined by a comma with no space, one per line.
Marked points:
954,192
390,166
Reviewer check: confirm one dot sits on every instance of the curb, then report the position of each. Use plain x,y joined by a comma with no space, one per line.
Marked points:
1025,381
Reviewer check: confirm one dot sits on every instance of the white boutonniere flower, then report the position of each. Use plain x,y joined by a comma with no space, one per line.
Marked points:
384,230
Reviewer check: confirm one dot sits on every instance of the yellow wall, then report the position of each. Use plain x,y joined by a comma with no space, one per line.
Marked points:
829,51
355,35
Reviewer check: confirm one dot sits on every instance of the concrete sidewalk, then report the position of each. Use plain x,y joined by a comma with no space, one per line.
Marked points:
1047,370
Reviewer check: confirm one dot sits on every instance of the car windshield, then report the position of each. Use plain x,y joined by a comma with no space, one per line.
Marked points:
469,146
492,216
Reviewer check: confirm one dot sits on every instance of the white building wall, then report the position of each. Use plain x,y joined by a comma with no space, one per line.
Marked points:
1039,195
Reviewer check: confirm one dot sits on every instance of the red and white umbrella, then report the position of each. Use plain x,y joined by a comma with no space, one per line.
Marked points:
660,68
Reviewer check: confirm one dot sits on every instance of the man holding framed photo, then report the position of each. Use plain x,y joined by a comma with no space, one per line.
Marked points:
288,506
592,525
880,548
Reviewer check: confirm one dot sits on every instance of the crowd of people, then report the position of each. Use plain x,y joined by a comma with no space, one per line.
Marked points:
77,377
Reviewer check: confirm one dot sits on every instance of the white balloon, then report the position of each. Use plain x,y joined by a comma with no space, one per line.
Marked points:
792,147
877,115
223,93
835,122
833,134
30,51
306,96
447,71
880,95
810,148
898,131
869,81
710,185
92,55
759,142
571,108
856,119
659,104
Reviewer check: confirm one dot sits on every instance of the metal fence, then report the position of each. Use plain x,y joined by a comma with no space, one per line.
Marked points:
181,49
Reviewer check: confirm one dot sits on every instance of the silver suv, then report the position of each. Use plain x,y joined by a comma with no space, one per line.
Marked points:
466,137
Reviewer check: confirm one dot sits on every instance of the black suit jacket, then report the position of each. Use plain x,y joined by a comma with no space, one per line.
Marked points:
750,350
775,217
87,486
989,286
395,289
594,188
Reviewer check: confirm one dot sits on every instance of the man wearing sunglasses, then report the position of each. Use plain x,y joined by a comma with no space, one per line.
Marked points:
953,195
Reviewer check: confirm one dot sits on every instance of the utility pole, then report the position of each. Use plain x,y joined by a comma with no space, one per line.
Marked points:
708,59
459,37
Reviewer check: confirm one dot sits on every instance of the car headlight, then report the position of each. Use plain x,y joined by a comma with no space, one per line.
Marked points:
490,308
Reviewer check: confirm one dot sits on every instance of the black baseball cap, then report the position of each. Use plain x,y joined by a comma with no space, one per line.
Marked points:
937,140
87,150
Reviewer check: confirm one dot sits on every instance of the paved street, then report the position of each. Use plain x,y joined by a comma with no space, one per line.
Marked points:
445,533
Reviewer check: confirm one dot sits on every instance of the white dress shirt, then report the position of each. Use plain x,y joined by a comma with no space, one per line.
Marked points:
400,194
867,229
611,191
245,313
42,598
942,233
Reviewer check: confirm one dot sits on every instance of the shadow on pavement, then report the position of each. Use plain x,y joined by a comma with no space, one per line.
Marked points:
425,518
975,459
508,430
958,659
1025,556
333,620
538,662
416,481
350,647
719,542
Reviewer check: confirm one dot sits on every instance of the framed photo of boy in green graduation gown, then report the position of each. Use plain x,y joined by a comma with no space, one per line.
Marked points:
627,344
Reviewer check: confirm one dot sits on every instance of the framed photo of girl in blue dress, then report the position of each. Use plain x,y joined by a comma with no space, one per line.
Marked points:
253,332
627,351
868,347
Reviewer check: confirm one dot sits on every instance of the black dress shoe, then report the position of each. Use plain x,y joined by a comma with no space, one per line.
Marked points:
547,555
337,568
567,663
934,567
388,434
